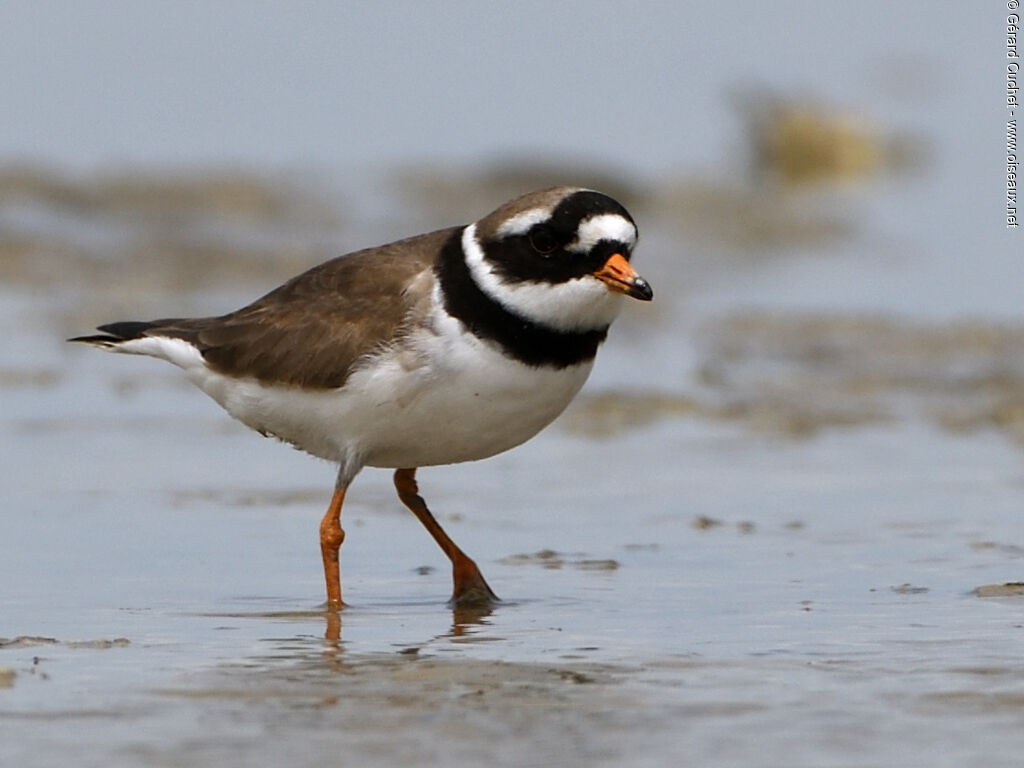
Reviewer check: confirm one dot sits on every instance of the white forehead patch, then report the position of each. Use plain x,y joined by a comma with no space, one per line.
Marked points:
523,222
607,226
581,304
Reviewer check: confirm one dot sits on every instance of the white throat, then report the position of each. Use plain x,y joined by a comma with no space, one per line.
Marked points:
581,304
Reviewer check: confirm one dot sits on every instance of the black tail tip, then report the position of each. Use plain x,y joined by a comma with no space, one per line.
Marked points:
116,332
128,329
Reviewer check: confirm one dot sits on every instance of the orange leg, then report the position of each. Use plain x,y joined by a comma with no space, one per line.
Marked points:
331,537
470,587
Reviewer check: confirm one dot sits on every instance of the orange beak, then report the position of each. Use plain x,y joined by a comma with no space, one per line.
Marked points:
619,275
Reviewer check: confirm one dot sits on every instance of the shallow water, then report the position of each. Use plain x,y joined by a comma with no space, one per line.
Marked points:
755,539
754,600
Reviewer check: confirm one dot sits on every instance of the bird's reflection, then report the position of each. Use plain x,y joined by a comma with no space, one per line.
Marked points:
465,621
332,634
464,618
303,656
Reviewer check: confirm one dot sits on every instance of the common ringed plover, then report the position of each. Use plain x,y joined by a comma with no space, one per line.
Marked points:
450,346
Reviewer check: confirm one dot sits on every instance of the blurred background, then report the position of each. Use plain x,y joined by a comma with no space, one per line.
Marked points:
808,178
820,416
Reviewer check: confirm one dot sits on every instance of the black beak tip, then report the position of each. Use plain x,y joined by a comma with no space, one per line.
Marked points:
641,289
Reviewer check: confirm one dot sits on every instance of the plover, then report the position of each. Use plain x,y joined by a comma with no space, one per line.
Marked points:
446,347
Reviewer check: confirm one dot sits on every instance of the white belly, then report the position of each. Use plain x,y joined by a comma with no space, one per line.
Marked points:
441,398
442,401
468,414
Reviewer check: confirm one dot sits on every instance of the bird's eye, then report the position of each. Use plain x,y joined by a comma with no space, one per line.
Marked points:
543,240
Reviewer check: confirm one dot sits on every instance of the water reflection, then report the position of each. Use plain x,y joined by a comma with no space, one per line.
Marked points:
467,625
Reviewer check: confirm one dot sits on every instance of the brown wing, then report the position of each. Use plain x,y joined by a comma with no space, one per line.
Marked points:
315,328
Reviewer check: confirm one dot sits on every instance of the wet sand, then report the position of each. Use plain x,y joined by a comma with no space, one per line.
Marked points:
768,532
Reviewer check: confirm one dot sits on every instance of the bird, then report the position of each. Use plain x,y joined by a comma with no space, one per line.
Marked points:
441,348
